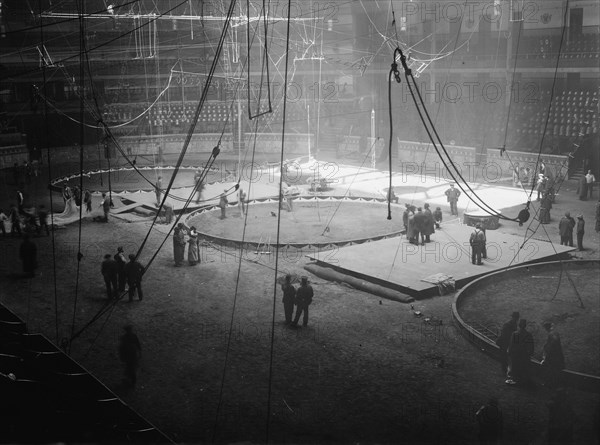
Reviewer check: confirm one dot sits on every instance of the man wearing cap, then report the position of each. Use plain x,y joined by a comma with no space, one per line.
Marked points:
520,350
134,272
452,195
304,297
565,228
504,340
121,261
580,232
477,242
420,220
110,273
223,204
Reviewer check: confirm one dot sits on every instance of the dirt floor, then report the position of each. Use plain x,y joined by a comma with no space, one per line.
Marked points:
313,221
220,365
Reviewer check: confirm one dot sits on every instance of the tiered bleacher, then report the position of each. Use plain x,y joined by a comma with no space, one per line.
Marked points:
47,397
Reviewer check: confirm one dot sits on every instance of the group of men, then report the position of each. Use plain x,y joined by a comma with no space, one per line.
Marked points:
517,347
420,224
566,226
117,272
301,298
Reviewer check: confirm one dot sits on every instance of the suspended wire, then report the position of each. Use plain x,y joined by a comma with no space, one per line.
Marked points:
46,131
81,9
281,158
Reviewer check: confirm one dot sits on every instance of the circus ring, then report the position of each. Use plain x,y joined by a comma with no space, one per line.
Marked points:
318,222
128,180
550,291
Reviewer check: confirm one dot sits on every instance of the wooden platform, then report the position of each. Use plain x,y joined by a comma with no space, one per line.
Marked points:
399,265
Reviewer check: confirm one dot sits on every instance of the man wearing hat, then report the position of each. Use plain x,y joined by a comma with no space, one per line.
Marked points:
304,297
134,272
110,273
565,228
223,203
158,190
452,195
580,232
477,242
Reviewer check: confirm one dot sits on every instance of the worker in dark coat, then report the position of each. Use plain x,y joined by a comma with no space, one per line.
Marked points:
412,233
580,232
289,298
28,255
553,359
179,244
582,188
452,196
304,297
420,229
503,340
429,228
545,207
520,350
134,272
565,228
110,272
477,241
130,353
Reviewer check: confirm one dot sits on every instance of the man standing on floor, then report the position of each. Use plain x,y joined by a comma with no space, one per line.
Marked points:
503,340
179,244
130,353
28,255
477,242
580,232
158,190
429,223
223,204
43,217
553,359
20,201
520,350
121,262
304,297
565,228
452,195
289,298
134,272
110,273
105,206
590,179
420,230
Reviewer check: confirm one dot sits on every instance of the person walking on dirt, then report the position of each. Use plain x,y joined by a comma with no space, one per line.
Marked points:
503,340
304,297
121,262
130,353
289,298
110,272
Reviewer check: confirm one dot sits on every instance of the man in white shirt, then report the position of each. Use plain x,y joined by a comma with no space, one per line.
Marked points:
590,179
